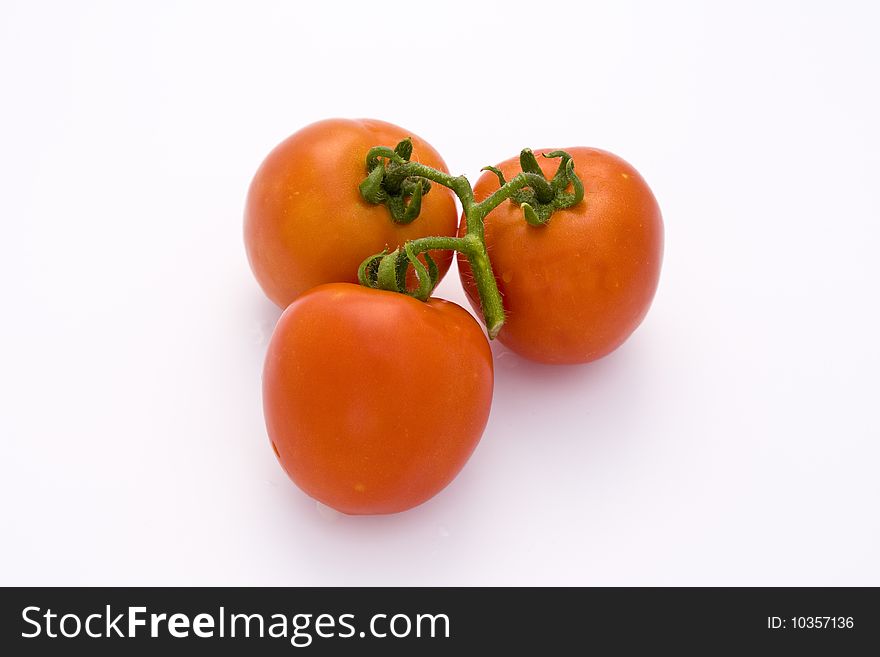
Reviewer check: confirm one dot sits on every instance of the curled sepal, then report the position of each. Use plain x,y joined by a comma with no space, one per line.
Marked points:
433,270
404,149
400,267
371,186
369,270
412,209
564,159
535,217
377,152
427,281
387,271
501,181
576,184
388,183
528,162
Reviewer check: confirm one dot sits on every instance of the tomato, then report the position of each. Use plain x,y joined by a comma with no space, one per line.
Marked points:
374,400
576,288
305,221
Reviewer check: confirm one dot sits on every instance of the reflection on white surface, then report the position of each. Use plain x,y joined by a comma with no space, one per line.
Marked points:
328,513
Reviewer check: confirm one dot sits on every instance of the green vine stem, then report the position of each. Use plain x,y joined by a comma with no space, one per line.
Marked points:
537,197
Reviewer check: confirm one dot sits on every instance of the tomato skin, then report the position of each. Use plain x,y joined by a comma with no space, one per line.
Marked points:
575,289
305,222
373,400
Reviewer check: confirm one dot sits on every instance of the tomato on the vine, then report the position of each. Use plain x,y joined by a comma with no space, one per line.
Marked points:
306,222
375,400
575,288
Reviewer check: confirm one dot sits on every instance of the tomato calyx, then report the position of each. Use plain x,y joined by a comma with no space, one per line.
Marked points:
537,197
387,271
388,183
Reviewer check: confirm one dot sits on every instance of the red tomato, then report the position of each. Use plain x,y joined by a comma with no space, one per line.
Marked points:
374,400
576,288
305,222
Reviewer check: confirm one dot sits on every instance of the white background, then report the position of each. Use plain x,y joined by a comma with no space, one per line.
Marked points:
734,438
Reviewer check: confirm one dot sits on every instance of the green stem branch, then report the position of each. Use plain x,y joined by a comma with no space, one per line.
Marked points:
538,203
474,249
471,244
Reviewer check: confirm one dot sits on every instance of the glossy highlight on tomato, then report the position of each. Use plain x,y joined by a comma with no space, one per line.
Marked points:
374,400
576,288
305,221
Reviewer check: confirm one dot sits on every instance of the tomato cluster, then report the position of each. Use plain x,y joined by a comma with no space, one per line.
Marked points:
375,395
